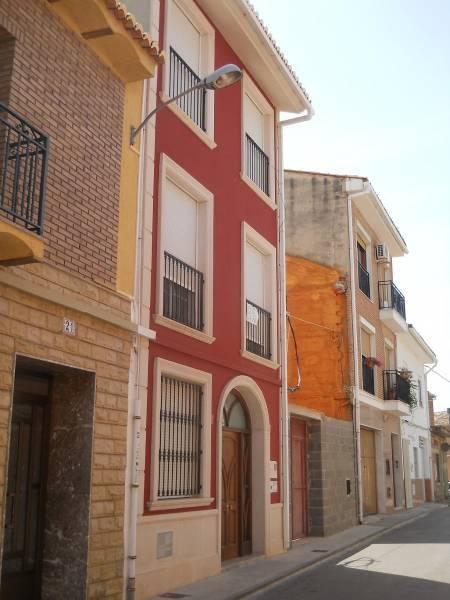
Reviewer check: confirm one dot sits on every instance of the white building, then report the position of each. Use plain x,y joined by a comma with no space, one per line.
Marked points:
415,356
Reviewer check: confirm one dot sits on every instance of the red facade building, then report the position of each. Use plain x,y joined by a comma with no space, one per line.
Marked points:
213,457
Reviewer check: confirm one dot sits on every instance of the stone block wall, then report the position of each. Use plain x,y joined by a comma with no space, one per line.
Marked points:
330,464
33,327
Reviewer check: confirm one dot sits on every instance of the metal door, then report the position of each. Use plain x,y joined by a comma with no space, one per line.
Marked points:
299,482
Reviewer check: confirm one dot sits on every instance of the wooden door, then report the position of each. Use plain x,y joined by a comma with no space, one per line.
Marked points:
299,483
231,486
369,475
24,501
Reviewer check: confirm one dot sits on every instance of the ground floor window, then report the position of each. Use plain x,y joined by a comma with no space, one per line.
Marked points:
180,445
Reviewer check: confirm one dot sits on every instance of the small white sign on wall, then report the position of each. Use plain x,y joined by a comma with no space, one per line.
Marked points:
252,314
273,486
273,469
69,326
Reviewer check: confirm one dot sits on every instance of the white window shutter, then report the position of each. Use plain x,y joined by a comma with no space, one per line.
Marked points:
254,121
365,343
180,224
255,275
185,39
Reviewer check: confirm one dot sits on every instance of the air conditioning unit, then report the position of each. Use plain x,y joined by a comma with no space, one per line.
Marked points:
382,252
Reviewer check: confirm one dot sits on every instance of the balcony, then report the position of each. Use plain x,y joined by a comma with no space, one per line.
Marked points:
181,78
396,393
258,331
364,280
392,306
257,164
183,293
23,174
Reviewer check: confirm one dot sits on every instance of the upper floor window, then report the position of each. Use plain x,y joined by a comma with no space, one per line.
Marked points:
258,142
184,298
368,351
259,297
363,271
189,47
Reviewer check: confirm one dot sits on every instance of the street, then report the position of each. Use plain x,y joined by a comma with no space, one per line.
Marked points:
410,563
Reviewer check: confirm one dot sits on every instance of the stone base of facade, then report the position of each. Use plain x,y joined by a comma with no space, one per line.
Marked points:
178,549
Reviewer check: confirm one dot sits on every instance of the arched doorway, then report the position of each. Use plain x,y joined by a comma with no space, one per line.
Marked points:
236,478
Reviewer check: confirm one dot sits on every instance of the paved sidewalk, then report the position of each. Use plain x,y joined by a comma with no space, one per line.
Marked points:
250,575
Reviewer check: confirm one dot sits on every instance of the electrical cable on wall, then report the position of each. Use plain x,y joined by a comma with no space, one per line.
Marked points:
297,386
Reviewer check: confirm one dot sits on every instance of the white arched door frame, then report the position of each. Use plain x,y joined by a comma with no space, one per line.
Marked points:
260,460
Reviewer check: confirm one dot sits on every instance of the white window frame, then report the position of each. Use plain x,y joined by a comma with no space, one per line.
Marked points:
419,392
172,369
365,237
170,171
250,89
250,235
207,52
365,325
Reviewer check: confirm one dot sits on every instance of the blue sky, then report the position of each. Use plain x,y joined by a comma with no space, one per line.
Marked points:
378,73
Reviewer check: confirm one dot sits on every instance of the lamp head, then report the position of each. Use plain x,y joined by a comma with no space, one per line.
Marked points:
222,77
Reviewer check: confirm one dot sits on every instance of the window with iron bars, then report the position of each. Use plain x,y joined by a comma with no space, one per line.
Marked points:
180,445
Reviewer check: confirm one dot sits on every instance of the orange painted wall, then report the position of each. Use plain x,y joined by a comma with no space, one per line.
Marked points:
323,345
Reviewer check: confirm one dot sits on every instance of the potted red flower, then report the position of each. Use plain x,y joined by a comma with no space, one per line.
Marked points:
372,361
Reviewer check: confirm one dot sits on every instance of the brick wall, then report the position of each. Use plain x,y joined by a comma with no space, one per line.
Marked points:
61,87
6,63
33,327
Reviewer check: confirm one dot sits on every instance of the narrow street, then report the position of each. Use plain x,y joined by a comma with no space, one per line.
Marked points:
410,563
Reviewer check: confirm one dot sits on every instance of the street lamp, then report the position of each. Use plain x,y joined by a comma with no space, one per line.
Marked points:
217,80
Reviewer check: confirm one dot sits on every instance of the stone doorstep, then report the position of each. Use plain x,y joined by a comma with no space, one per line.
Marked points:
256,573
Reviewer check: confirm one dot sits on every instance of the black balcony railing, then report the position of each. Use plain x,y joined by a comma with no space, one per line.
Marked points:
368,379
182,77
391,297
183,292
258,330
257,164
396,387
23,170
364,280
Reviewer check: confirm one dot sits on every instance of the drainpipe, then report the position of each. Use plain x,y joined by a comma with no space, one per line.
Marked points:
354,337
135,369
430,451
284,403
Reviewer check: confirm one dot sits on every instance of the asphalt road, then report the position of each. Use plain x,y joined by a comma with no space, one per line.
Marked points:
409,563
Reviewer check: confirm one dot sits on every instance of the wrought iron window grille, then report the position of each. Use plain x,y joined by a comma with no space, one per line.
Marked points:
180,439
182,77
183,293
364,280
257,164
258,330
368,379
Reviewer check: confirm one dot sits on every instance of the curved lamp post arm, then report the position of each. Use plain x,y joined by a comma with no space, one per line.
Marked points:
135,130
217,80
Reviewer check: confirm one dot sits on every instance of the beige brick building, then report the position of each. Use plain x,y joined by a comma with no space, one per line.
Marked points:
71,84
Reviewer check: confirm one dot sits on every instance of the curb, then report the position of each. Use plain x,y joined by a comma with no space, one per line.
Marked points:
314,562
